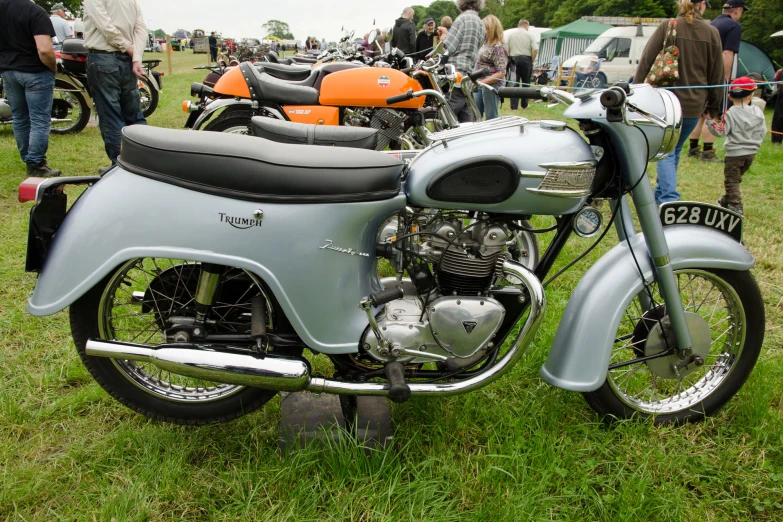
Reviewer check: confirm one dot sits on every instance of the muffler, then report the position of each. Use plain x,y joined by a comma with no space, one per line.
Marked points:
272,372
282,373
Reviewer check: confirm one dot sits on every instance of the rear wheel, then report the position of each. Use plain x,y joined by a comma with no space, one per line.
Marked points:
725,315
148,97
136,304
231,121
70,112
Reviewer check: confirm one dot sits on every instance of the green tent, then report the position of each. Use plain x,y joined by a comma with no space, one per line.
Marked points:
569,40
753,59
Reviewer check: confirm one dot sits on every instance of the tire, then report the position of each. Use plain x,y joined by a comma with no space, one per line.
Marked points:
68,100
149,97
599,82
161,396
232,121
706,389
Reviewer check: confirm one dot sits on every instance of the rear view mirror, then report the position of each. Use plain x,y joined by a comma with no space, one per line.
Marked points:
372,36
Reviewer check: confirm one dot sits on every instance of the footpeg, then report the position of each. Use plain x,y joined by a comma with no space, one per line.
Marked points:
399,391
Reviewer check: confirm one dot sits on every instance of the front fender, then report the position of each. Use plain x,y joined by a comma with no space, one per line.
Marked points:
579,358
216,106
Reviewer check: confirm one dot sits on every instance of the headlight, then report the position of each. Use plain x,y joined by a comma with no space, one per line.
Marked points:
673,117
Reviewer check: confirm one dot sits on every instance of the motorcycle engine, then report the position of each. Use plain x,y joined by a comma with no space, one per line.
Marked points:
460,319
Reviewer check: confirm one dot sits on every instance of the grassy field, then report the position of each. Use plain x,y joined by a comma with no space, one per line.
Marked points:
516,450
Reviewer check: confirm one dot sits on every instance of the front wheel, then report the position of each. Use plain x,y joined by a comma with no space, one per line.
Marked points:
138,303
70,112
725,315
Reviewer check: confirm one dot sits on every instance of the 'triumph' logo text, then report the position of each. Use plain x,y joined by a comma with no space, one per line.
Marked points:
240,223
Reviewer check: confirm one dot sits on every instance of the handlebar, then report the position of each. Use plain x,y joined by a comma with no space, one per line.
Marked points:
529,93
400,98
477,75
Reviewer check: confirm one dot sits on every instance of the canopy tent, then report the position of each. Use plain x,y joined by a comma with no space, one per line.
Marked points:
569,40
753,59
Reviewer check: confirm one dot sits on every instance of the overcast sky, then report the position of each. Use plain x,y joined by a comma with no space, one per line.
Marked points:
243,18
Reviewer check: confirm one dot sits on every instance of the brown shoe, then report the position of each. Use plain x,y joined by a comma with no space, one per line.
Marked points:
695,151
42,171
710,157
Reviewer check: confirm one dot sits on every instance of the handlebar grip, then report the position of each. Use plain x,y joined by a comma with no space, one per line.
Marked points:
477,75
530,93
399,98
613,98
386,296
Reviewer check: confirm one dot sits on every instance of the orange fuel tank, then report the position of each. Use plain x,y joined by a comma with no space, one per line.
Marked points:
232,83
368,87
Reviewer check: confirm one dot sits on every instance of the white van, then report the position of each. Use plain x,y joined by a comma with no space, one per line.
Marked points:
619,50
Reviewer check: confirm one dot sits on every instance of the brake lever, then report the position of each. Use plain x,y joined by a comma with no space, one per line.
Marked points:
652,119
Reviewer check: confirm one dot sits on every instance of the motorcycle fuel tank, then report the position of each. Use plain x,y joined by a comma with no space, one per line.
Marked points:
368,87
532,168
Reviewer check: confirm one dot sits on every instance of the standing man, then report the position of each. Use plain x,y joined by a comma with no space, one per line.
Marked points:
114,33
61,27
463,41
27,65
426,37
522,50
213,47
730,32
404,32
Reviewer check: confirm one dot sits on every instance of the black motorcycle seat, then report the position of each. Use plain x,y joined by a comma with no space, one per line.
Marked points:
254,169
74,46
295,73
296,59
311,134
266,87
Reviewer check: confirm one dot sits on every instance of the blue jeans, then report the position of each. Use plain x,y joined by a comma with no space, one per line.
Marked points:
487,101
30,96
116,95
666,184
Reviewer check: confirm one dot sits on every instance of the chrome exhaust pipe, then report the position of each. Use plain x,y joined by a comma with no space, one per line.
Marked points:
273,372
281,373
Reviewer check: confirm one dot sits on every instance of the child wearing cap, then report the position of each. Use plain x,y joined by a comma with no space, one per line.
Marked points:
744,127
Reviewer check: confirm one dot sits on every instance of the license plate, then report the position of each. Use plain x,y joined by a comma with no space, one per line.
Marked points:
702,214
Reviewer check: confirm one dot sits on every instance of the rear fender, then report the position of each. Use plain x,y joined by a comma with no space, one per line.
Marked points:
317,259
579,358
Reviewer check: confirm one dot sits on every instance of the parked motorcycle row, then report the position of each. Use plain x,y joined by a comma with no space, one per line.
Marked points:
251,245
72,105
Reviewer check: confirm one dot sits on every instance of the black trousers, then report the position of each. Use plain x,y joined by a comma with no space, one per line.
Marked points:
459,105
213,54
524,65
777,118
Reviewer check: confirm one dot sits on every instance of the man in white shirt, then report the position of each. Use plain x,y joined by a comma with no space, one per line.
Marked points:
115,34
61,27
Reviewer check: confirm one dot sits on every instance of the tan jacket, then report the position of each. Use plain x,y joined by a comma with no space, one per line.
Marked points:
700,63
114,25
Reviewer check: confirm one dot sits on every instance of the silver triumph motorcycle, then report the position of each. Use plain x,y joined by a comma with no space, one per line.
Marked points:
199,269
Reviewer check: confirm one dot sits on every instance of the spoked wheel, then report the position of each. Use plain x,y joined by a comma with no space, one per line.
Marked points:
70,112
725,315
148,97
143,302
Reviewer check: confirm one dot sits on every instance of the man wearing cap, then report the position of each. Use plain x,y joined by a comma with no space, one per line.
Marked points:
426,37
522,50
28,65
114,33
730,32
61,27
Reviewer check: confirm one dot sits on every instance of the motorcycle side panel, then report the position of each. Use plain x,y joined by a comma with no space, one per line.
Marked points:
315,114
579,358
317,259
368,87
527,148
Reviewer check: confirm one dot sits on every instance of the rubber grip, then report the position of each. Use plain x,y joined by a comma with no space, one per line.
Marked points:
530,93
398,390
386,296
399,98
477,75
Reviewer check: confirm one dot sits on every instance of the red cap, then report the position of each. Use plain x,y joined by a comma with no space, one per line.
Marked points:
741,87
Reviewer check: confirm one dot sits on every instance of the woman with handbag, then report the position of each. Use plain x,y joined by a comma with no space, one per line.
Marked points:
684,52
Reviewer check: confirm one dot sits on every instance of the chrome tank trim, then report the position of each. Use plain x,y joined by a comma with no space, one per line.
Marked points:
526,335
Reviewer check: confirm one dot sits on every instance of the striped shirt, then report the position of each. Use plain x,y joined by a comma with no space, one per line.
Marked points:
464,39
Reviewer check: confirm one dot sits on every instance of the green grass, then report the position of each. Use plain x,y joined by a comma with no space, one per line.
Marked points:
516,450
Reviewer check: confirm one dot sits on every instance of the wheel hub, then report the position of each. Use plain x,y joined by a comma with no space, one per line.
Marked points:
670,367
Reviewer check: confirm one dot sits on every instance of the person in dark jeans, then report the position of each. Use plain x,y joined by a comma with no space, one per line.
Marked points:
213,47
27,65
114,34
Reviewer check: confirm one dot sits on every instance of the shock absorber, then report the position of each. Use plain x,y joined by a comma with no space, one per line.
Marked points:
208,282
